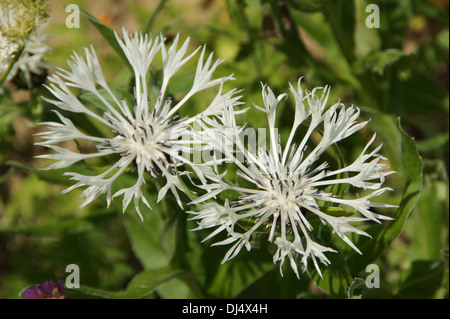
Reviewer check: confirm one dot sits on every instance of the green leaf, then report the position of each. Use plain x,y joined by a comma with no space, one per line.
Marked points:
422,279
109,36
340,14
337,211
174,239
434,143
71,226
378,61
8,112
430,9
271,285
382,236
144,237
305,5
149,24
336,279
141,286
233,276
7,175
54,176
429,223
387,129
228,280
97,102
331,64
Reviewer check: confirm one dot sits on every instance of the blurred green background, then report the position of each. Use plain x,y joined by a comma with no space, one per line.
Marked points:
399,70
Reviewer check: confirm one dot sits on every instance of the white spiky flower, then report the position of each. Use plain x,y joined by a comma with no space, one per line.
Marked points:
32,59
7,51
149,135
19,21
289,183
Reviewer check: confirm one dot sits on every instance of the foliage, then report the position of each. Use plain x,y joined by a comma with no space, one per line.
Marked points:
398,76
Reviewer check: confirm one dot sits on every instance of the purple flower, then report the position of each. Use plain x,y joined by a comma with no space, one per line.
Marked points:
45,290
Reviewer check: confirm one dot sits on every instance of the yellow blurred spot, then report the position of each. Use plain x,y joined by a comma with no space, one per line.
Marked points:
226,48
106,19
224,17
417,23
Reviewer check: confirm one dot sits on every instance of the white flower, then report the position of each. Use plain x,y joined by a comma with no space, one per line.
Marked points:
32,60
148,134
19,21
289,183
7,51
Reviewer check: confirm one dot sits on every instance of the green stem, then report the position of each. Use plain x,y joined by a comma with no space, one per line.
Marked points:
16,58
176,220
150,21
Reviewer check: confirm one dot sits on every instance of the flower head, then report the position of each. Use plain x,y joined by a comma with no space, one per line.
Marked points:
19,22
45,290
32,59
8,50
289,183
149,134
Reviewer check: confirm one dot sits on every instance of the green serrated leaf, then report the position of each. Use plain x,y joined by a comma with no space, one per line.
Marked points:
383,235
378,61
387,129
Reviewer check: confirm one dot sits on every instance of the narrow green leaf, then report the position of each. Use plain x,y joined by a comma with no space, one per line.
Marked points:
7,175
141,286
430,9
337,211
151,20
383,236
340,14
147,281
336,279
305,5
71,226
109,36
54,176
434,143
